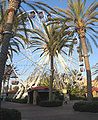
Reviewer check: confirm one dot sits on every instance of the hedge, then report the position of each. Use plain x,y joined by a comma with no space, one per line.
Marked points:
85,106
17,100
9,114
51,103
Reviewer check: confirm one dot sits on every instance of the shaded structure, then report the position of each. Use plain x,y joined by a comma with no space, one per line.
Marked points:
41,93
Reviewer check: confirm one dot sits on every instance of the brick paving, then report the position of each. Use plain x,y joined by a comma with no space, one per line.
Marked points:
66,112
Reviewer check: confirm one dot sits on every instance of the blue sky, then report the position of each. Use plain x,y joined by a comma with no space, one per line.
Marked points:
63,4
23,64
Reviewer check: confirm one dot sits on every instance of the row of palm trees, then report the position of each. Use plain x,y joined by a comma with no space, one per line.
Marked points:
75,20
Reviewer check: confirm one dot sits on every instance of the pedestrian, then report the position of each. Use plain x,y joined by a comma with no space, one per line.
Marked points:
66,97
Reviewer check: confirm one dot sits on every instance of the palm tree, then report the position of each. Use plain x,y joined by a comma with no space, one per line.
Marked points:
10,32
84,21
13,6
2,11
51,41
8,23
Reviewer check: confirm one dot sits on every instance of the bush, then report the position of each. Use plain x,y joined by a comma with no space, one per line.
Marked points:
10,114
16,100
20,100
74,97
86,106
59,96
95,98
50,103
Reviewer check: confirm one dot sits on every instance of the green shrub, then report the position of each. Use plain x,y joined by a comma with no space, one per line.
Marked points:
51,103
86,106
10,114
95,98
19,100
59,95
74,97
16,100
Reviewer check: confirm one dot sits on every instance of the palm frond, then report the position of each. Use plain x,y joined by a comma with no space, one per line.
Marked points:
18,41
30,5
15,44
45,5
46,30
36,49
93,6
93,30
93,39
20,36
89,47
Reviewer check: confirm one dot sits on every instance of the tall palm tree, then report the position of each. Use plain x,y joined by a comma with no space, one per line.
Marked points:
51,40
13,6
84,20
11,27
2,11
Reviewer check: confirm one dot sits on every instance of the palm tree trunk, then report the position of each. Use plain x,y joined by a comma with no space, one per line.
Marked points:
87,64
1,26
51,78
13,6
1,35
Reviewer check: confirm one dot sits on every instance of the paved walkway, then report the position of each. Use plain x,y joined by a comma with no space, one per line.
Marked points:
66,112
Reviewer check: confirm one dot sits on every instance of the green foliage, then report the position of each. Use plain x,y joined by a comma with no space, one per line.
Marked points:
44,81
95,71
10,114
20,31
79,16
51,103
95,98
20,100
17,100
85,106
59,96
77,97
76,91
52,40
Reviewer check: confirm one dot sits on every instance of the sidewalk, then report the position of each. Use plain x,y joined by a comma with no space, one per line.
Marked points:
66,112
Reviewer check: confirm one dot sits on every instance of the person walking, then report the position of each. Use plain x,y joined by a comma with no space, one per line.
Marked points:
66,97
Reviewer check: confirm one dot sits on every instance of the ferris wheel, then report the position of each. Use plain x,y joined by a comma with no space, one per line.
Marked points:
24,59
29,64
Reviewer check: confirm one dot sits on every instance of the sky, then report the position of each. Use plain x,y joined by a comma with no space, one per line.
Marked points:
25,66
62,4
